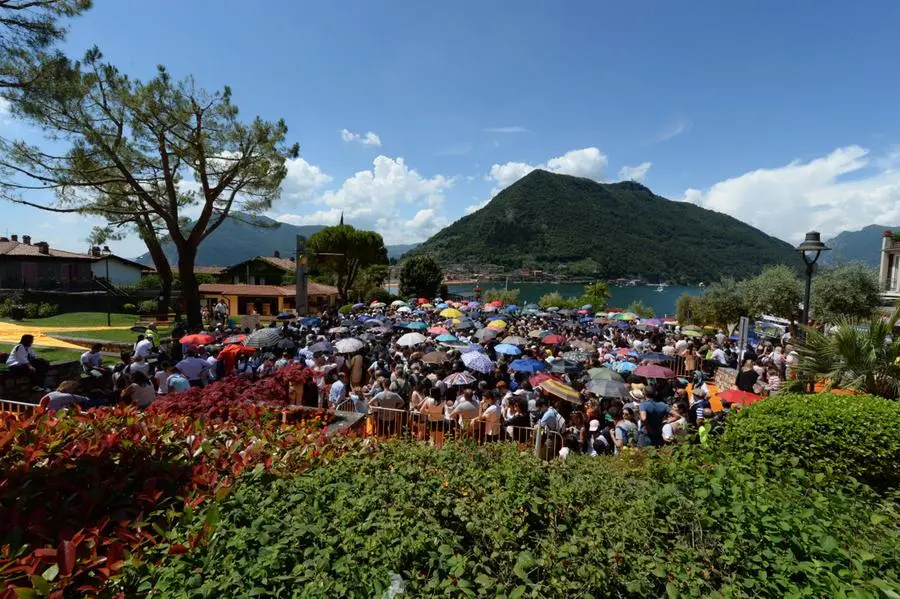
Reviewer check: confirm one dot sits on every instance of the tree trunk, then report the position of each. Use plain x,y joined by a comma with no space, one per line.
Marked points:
190,289
163,271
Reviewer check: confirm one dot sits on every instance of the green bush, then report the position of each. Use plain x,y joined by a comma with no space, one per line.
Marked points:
5,306
346,309
46,310
856,435
507,296
147,307
32,310
129,308
496,522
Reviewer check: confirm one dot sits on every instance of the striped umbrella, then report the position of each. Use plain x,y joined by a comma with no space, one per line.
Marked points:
459,379
560,390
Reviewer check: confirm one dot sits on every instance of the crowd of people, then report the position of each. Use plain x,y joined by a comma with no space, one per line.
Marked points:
576,380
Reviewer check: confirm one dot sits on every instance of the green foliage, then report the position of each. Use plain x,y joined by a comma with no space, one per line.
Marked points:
370,280
129,308
496,522
32,310
555,299
147,307
46,310
346,309
854,435
420,276
152,281
865,358
597,294
354,251
685,306
641,309
849,291
722,304
507,296
604,230
776,291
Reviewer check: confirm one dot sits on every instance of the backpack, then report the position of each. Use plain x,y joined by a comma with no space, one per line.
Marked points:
603,442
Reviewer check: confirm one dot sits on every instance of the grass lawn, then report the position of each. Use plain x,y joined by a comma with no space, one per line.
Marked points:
51,354
80,319
118,335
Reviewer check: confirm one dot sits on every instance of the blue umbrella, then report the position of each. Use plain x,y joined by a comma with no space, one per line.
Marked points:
419,312
286,316
472,347
417,326
446,337
508,349
656,357
311,321
621,324
528,365
323,346
442,306
512,308
628,367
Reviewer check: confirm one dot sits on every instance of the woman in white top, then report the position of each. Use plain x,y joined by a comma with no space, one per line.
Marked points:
490,416
140,392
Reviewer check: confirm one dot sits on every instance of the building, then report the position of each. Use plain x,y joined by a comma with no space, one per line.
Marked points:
260,270
889,273
27,265
266,300
121,270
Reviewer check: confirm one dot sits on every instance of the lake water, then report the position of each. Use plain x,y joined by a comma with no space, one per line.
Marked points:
663,302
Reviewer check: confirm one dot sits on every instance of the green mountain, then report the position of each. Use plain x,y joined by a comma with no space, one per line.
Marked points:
857,246
565,224
243,236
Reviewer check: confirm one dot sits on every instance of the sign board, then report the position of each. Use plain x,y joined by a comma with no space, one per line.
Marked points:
726,378
743,336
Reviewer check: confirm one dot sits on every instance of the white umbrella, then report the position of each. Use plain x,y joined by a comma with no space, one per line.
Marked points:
404,309
397,303
411,339
349,345
337,330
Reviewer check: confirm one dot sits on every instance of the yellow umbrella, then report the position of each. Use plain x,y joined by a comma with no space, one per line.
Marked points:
560,390
451,313
426,306
497,324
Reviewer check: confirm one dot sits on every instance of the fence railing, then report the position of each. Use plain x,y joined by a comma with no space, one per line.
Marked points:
16,407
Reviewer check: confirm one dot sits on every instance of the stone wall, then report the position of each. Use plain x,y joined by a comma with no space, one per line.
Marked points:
19,388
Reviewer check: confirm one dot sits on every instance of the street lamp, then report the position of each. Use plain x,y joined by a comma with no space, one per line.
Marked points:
811,248
106,253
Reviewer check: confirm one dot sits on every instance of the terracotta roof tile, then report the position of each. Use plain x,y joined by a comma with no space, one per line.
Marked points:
265,290
16,248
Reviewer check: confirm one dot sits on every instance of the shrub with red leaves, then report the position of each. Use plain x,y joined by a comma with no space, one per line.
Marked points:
80,492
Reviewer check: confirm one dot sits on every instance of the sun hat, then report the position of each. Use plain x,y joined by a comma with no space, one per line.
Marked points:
594,426
637,395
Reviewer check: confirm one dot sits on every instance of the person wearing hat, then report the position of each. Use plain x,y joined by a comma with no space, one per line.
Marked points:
600,439
699,403
635,397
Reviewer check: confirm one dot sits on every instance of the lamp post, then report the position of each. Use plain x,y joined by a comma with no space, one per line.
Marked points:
106,253
811,248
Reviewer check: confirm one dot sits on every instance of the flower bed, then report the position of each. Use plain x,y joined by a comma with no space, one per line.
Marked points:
80,493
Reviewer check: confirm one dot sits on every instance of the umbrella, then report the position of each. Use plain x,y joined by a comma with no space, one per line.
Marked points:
284,343
691,333
512,308
515,340
560,390
234,339
411,339
138,329
577,355
537,334
607,388
422,301
459,378
486,334
349,345
442,306
497,324
417,326
311,321
436,357
372,323
528,365
377,305
286,316
603,374
445,338
490,308
397,303
652,322
438,330
466,323
450,313
532,307
321,346
737,396
457,344
263,338
200,339
656,357
553,309
584,346
478,362
566,367
337,330
470,348
627,367
552,340
404,310
690,327
654,371
508,349
587,307
358,306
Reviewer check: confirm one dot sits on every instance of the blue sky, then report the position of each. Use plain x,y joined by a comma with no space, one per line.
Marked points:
409,114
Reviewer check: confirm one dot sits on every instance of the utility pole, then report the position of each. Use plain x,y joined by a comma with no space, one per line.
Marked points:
301,301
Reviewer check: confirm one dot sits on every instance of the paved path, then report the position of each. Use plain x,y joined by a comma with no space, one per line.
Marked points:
12,333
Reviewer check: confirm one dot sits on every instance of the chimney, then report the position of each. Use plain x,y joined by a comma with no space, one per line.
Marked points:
43,247
26,239
14,238
277,254
4,238
95,251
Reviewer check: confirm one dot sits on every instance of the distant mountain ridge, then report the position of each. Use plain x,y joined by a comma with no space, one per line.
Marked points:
857,246
239,238
547,221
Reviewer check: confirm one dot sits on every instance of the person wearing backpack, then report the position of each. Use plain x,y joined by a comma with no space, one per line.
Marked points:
600,441
626,431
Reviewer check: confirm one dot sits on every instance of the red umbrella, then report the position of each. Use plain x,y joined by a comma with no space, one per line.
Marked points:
553,340
654,371
540,377
438,330
421,301
240,338
198,339
739,397
497,303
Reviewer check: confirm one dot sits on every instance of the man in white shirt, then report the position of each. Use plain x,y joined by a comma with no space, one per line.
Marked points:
338,391
193,368
718,356
92,361
142,347
23,362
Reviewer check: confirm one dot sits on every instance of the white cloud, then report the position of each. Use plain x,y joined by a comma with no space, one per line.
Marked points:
366,139
817,195
476,207
302,179
514,129
673,129
586,162
635,173
381,199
